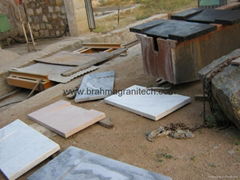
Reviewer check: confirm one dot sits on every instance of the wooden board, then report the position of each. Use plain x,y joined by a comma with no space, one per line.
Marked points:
29,80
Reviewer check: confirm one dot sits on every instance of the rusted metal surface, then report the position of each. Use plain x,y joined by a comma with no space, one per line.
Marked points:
179,62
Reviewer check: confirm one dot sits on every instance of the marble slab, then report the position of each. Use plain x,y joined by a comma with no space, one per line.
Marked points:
183,15
173,29
147,103
22,148
75,163
65,119
95,86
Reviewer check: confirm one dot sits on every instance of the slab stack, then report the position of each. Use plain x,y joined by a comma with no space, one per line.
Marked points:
176,49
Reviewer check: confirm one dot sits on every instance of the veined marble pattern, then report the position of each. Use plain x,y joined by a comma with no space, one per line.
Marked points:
95,86
75,163
22,148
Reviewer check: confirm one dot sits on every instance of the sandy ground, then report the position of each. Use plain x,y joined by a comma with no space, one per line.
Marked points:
211,154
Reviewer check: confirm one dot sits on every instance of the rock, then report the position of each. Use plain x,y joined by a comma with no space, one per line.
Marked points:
181,134
177,131
107,123
224,88
226,91
156,133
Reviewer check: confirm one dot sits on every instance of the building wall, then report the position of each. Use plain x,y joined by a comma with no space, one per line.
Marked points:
47,17
7,7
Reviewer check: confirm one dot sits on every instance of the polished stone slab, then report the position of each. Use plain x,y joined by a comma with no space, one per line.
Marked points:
217,16
173,29
95,86
143,27
183,15
78,164
66,119
22,148
179,30
147,103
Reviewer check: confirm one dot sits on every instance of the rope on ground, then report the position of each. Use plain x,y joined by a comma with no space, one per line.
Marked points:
29,95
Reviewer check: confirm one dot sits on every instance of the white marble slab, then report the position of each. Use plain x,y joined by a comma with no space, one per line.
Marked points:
78,164
22,148
95,86
147,103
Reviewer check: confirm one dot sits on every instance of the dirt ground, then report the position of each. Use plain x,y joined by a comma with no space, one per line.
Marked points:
211,154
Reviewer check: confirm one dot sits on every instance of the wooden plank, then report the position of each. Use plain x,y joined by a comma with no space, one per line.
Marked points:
28,81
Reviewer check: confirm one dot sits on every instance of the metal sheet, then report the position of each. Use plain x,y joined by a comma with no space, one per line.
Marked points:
53,71
78,59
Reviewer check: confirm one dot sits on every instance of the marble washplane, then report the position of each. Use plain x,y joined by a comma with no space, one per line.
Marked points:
66,119
95,86
147,103
22,148
75,163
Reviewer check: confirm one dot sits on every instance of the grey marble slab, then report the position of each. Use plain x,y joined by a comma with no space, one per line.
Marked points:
78,164
95,86
22,148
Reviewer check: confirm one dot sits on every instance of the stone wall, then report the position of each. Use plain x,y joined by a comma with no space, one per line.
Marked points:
47,17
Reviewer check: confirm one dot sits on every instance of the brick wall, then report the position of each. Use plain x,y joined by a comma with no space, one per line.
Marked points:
47,17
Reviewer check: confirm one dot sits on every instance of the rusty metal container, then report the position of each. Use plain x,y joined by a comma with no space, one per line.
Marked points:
178,57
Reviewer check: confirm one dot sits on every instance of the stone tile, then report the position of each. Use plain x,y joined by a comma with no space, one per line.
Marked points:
76,163
147,103
22,148
65,119
95,86
173,29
